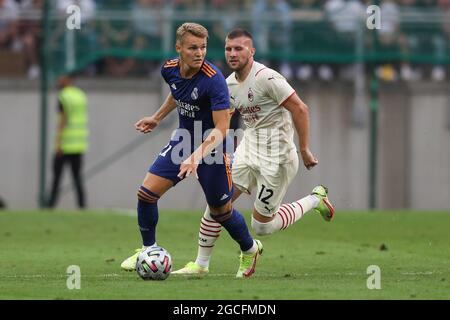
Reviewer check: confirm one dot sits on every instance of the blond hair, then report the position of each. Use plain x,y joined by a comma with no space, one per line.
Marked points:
193,28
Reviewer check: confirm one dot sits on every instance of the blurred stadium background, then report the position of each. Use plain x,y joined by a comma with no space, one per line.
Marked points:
379,99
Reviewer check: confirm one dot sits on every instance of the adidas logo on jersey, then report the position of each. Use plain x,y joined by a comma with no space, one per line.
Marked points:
173,86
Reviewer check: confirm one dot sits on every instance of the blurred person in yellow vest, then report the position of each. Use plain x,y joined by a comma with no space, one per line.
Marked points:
71,138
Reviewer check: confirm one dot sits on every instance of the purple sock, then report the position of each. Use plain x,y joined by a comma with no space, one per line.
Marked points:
237,228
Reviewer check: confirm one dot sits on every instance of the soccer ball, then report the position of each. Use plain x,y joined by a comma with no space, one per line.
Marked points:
154,263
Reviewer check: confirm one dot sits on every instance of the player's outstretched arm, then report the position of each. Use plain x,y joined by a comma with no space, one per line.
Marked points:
148,124
221,120
300,117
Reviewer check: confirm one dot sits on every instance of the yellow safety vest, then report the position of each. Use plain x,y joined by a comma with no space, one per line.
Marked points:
75,134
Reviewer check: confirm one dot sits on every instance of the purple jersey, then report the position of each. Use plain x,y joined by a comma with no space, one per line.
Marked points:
198,96
196,99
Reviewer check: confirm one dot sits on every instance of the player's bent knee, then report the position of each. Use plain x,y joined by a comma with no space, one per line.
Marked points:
221,217
146,195
263,228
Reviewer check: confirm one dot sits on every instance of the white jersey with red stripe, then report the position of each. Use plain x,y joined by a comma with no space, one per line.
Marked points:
269,132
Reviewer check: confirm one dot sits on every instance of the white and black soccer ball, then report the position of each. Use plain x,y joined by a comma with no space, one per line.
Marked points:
154,263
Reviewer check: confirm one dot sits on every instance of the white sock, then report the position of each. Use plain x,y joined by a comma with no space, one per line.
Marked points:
145,247
290,213
266,228
207,237
252,250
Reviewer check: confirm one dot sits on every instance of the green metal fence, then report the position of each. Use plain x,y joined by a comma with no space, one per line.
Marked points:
312,36
122,29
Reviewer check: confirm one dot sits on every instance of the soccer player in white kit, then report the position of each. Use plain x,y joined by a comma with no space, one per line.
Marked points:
266,158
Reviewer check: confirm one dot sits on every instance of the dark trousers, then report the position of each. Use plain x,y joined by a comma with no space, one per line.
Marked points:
76,162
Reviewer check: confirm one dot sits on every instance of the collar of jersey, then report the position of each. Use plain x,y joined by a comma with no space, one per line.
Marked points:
194,75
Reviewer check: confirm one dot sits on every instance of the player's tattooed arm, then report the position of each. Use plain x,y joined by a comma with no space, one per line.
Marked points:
300,117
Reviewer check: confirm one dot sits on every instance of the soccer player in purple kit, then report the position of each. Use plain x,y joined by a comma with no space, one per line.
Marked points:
200,94
266,158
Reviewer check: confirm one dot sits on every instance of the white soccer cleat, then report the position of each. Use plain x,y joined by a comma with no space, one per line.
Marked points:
191,268
129,264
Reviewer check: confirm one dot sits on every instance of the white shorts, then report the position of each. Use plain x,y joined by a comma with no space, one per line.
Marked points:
271,180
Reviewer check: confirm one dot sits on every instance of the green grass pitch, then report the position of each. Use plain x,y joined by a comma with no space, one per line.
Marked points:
310,260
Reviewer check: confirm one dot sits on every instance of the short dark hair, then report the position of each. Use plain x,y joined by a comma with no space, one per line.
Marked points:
239,32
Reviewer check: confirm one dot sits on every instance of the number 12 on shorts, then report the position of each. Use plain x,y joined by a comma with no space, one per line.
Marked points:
265,194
